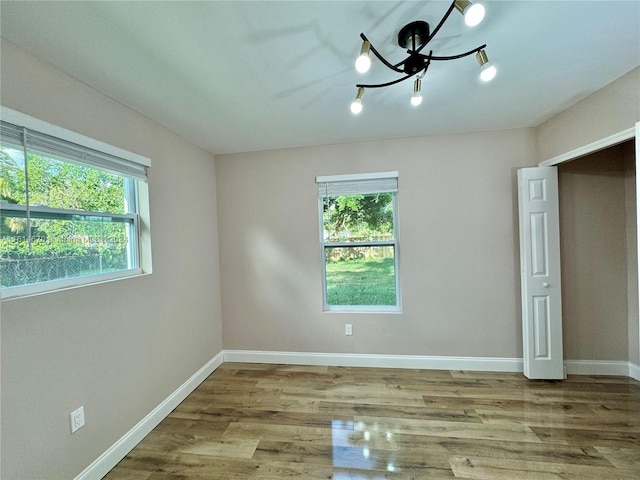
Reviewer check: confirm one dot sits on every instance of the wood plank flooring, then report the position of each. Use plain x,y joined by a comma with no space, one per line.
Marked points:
251,421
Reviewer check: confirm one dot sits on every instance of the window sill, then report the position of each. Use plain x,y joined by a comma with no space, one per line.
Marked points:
24,291
363,309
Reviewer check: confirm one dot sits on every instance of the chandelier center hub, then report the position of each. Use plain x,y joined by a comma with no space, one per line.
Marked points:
418,30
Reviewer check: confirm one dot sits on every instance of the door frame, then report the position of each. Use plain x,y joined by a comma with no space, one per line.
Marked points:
610,141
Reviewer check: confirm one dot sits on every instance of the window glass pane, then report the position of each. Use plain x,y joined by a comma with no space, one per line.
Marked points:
67,210
12,185
357,218
61,249
360,275
57,184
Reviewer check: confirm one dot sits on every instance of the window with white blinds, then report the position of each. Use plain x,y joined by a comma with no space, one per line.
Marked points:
359,241
41,143
334,186
69,208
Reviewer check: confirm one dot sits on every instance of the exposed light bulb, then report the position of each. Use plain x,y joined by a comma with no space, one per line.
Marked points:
474,14
363,62
488,72
356,105
416,98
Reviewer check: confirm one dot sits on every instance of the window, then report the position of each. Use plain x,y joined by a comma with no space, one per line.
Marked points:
359,239
69,212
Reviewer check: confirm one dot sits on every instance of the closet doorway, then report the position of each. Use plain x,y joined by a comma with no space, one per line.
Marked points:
599,256
594,191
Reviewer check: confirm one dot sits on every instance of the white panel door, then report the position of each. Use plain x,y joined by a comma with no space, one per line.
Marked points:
540,273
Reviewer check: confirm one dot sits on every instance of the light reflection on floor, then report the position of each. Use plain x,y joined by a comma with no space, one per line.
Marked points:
362,447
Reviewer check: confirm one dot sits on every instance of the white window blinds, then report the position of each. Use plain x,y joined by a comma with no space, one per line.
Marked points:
65,150
336,185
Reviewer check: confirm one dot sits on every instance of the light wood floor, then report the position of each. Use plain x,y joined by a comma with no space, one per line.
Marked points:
249,421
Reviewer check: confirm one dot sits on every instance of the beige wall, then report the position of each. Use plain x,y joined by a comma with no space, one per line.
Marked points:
118,348
608,111
593,232
459,266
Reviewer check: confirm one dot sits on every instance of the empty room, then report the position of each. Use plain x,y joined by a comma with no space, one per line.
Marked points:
319,239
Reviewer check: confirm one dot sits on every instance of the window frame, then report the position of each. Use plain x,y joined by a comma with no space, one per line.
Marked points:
136,199
394,242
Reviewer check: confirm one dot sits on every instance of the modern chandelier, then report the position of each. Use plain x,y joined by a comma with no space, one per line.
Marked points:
414,37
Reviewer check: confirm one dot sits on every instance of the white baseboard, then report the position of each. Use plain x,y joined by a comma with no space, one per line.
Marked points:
480,364
487,364
109,459
598,367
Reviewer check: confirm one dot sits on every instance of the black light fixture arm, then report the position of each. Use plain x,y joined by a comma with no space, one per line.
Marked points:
380,85
438,27
402,79
380,57
455,57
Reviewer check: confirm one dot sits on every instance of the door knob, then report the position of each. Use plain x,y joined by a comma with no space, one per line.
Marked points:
545,285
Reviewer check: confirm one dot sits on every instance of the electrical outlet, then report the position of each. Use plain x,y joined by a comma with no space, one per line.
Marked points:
77,419
348,329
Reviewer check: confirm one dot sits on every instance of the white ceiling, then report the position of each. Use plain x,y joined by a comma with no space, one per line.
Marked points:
235,76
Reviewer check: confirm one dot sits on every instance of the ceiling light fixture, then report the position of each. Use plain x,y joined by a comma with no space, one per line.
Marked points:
414,37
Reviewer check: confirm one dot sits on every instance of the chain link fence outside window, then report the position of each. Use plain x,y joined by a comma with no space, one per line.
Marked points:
24,271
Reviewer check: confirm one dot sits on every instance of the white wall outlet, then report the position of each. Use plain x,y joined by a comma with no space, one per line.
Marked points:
348,329
77,419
